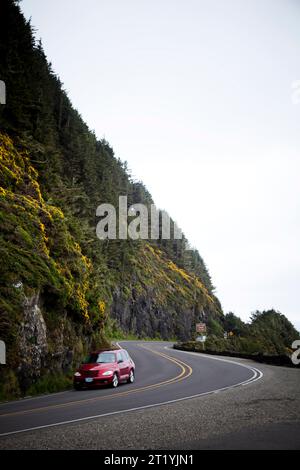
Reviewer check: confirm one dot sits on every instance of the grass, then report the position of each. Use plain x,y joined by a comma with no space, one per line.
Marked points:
50,383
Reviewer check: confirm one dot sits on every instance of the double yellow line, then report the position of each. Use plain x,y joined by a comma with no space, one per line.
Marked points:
186,371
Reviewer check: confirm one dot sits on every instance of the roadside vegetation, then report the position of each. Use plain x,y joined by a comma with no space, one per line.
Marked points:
267,338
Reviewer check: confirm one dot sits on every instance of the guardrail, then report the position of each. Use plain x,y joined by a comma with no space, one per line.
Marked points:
276,360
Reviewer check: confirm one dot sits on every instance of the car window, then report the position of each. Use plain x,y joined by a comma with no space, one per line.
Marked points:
126,355
119,356
106,358
102,358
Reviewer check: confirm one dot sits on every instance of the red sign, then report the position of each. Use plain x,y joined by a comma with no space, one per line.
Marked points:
200,327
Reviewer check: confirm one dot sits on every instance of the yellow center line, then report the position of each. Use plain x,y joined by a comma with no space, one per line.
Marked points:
186,371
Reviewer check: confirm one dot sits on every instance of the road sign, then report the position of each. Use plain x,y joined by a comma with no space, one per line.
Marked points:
201,339
200,327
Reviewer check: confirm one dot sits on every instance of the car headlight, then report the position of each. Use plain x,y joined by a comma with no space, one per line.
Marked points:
77,374
108,372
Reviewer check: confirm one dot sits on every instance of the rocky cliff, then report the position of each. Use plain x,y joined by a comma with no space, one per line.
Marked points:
63,291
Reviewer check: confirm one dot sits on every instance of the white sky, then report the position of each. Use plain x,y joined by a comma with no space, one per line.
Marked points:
197,97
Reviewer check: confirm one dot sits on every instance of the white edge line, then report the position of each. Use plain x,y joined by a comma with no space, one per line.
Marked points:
257,374
210,356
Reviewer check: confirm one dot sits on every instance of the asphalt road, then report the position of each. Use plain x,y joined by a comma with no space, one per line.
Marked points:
162,375
170,385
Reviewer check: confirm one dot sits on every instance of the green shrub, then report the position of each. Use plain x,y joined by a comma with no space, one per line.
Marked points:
50,383
9,385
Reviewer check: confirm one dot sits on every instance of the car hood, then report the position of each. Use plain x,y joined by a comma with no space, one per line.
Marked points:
106,366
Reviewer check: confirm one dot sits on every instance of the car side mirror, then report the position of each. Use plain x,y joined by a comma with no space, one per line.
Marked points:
120,360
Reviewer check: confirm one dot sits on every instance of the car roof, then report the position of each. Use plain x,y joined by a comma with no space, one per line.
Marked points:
98,351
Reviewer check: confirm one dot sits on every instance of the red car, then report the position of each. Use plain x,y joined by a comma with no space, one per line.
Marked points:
105,368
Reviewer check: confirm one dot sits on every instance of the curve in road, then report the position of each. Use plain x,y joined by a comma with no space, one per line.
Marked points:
162,377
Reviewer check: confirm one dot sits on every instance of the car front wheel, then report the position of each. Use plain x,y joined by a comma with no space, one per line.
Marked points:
115,381
131,377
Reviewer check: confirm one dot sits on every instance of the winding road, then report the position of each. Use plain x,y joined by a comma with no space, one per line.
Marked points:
163,376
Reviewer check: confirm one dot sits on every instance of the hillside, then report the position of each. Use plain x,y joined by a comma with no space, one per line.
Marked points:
268,337
63,291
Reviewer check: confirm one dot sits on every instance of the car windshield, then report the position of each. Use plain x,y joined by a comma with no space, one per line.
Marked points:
102,358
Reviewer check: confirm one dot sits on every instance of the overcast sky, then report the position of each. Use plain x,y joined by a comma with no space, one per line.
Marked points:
197,96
